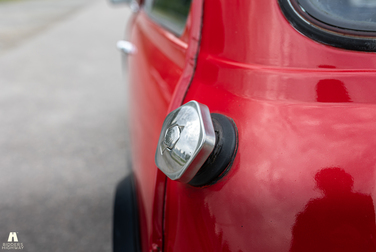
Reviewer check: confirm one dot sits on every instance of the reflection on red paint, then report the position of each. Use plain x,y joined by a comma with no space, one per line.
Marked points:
331,90
326,66
342,220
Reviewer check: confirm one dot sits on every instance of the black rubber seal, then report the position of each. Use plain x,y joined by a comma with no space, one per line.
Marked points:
325,34
221,158
126,227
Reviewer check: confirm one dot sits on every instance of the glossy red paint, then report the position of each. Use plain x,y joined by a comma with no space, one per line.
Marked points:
160,74
304,175
151,91
300,108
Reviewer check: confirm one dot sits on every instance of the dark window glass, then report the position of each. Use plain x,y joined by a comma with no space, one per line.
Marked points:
172,14
359,15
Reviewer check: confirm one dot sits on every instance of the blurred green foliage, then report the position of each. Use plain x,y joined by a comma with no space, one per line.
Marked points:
178,9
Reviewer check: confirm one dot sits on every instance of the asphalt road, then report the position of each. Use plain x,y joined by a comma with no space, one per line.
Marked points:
63,140
22,19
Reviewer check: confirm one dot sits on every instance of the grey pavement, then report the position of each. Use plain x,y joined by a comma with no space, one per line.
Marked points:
21,19
63,140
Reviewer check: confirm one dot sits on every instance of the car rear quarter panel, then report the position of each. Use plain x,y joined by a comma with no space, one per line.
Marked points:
300,108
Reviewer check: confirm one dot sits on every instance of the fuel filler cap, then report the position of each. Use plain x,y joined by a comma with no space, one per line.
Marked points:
190,141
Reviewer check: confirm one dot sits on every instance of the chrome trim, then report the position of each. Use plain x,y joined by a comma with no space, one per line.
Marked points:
126,47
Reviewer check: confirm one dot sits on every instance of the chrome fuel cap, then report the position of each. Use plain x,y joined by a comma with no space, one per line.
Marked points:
186,141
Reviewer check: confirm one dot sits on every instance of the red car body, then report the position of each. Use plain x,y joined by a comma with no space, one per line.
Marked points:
304,175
